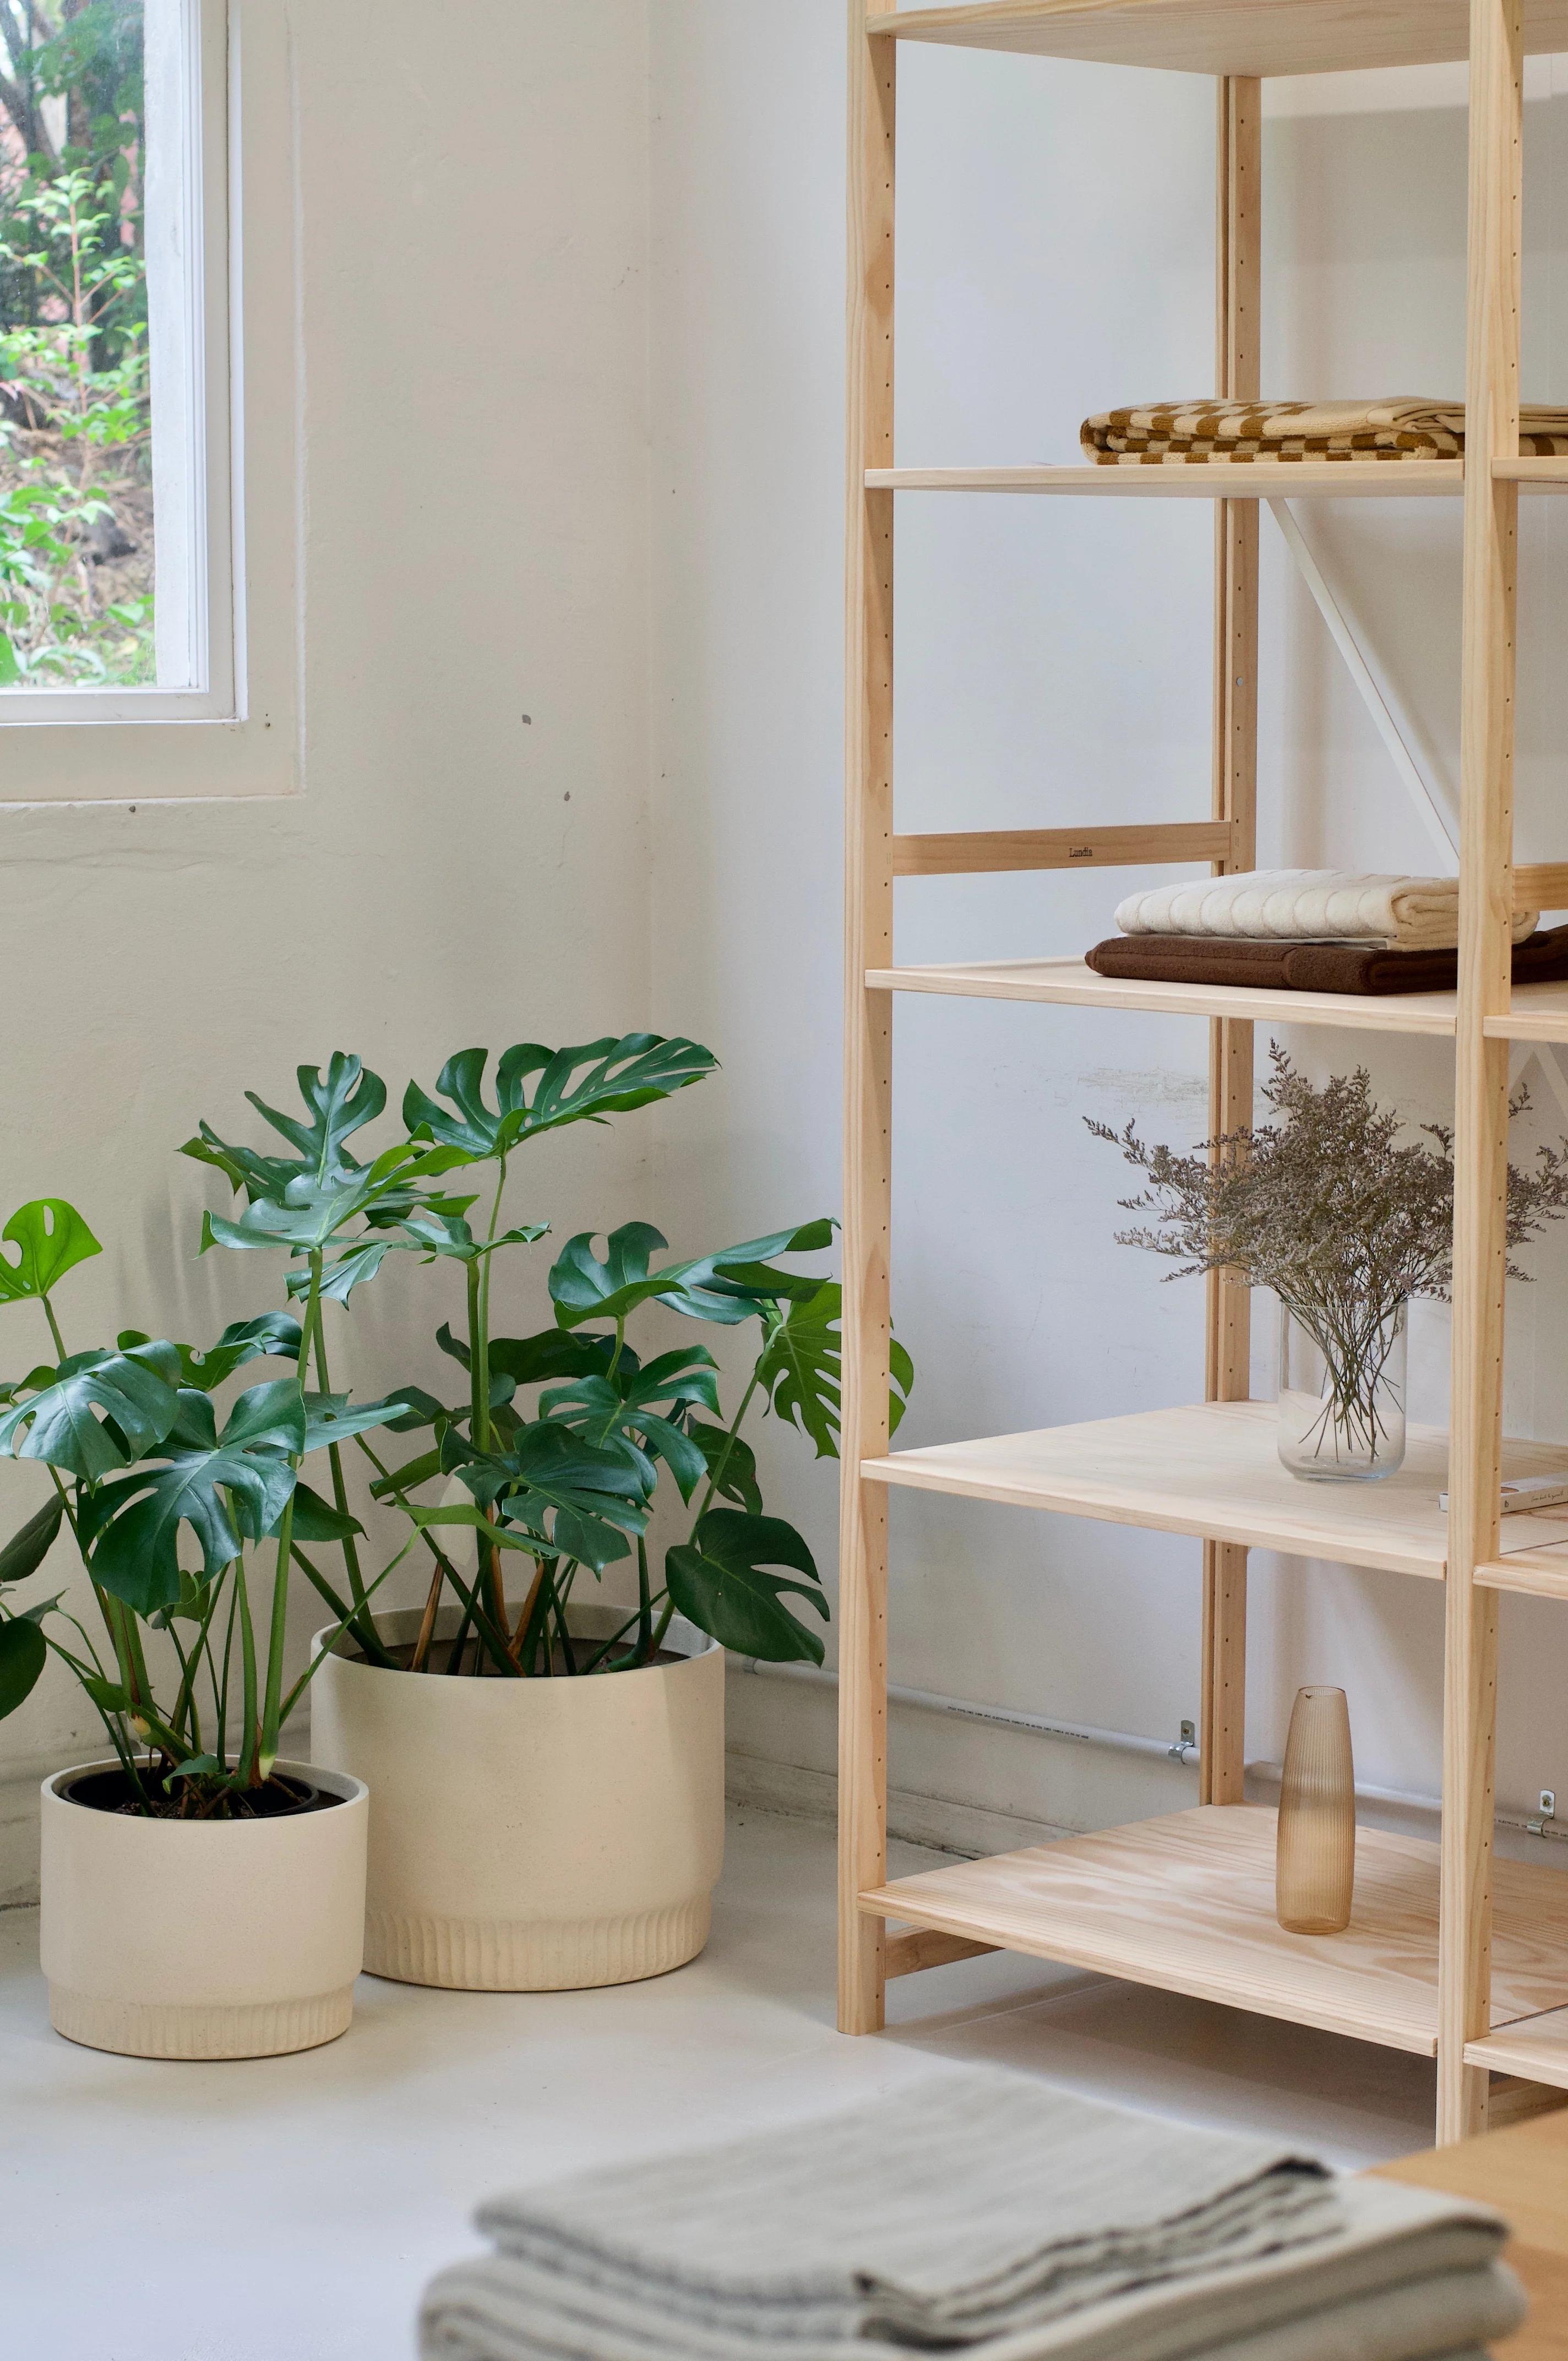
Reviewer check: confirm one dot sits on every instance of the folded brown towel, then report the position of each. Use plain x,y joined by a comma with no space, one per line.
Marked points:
1542,958
1398,427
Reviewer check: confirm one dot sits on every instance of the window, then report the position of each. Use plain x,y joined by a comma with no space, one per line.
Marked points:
116,573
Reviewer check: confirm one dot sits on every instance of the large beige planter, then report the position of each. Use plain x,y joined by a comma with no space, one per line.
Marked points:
173,1938
533,1835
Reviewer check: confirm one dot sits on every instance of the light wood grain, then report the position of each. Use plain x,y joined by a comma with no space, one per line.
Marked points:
1262,479
1541,885
1227,1321
867,1030
1211,1468
1533,475
1481,1060
1538,1012
1186,1902
1535,2046
1070,982
960,854
1523,2171
1225,36
907,1952
1541,1573
1512,2099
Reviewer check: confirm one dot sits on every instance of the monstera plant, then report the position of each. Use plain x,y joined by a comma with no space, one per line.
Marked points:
561,1442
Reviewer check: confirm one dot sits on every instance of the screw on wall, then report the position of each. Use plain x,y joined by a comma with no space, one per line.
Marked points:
1547,1804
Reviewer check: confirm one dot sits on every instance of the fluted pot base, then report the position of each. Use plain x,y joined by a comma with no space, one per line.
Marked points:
533,1835
534,1954
263,2029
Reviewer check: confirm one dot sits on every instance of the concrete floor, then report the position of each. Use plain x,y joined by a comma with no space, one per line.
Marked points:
290,2209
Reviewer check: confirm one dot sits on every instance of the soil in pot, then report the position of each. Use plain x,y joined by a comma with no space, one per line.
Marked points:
476,1660
281,1799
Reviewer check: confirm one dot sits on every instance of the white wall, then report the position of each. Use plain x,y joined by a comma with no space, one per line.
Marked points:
1055,255
475,426
531,505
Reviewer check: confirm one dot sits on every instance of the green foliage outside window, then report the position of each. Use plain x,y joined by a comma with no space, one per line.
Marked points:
76,519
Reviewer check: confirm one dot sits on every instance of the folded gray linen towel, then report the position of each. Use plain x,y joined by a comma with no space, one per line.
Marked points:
975,2209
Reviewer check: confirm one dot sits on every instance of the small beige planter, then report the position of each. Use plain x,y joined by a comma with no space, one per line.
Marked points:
174,1938
533,1835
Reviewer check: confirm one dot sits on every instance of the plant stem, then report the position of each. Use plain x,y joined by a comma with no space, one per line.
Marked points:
365,1629
246,1767
722,1462
644,1606
271,1717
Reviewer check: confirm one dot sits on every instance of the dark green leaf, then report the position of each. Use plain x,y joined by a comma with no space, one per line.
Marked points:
316,1520
106,1695
409,1476
799,1369
51,1238
131,1525
24,1651
554,1352
273,1335
419,1409
135,1391
27,1548
587,1083
738,1460
335,1109
584,1288
718,1581
332,1418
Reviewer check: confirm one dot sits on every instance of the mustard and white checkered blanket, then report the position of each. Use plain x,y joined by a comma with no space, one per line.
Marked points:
1405,426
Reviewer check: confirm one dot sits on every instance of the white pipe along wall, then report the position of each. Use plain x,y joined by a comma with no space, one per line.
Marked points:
1055,257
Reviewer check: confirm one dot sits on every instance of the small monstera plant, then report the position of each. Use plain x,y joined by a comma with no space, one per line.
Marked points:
186,1528
559,1442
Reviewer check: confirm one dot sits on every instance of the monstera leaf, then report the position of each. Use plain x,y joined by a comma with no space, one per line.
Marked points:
311,1214
31,1544
731,1464
628,1404
131,1525
575,1085
103,1410
719,1581
568,1498
51,1238
274,1335
24,1651
584,1288
799,1368
336,1108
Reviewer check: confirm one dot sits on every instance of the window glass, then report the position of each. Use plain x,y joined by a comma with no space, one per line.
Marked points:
101,477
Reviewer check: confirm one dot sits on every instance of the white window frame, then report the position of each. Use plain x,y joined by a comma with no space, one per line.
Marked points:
225,452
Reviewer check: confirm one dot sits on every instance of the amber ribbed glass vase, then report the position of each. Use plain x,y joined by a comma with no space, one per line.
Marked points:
1315,1859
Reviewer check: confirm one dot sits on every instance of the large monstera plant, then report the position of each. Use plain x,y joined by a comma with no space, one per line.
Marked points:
549,1463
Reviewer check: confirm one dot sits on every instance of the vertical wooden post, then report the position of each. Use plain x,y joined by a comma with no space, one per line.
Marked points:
867,1030
1481,1078
1239,278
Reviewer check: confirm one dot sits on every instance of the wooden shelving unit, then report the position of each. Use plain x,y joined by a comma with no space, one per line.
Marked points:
1450,1954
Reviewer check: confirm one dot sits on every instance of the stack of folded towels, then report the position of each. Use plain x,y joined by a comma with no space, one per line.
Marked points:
985,2214
1310,931
1407,426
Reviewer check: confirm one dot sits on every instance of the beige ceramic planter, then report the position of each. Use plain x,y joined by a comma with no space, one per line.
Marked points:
533,1835
170,1939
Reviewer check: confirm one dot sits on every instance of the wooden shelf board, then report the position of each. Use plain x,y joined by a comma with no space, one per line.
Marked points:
1540,1013
1262,479
1533,475
1187,1903
1070,981
1211,1468
1222,37
1533,2046
1539,1573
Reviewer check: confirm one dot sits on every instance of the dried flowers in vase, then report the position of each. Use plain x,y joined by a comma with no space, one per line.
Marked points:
1326,1205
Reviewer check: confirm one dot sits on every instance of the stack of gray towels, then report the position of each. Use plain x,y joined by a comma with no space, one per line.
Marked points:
984,2213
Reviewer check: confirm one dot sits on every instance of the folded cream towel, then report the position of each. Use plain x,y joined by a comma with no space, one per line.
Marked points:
1309,906
977,2211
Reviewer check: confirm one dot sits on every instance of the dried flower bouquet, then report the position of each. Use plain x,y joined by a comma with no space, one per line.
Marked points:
1329,1207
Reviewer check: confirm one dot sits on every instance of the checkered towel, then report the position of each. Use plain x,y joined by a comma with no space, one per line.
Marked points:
1403,427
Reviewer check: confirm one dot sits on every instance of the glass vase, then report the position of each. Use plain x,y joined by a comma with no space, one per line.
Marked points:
1341,1394
1314,1870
